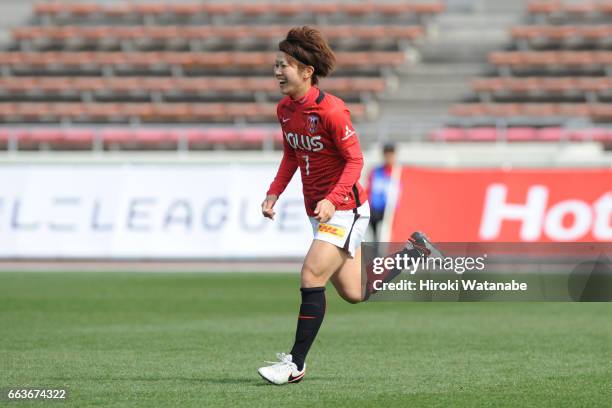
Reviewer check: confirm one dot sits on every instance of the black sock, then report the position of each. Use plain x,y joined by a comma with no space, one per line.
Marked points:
311,315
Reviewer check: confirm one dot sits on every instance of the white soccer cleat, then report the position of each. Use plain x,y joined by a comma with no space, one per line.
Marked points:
282,372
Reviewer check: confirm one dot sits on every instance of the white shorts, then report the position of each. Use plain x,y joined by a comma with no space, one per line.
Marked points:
346,229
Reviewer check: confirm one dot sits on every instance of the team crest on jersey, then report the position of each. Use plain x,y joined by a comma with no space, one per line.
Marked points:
312,123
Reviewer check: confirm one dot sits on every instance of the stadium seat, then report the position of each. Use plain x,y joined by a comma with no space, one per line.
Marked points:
151,60
535,110
532,87
162,112
579,37
551,58
558,8
4,134
116,135
520,134
43,136
77,136
126,87
226,8
151,137
270,33
151,63
587,32
566,63
215,136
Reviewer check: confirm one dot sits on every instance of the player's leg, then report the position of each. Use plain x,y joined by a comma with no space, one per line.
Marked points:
417,246
322,260
347,279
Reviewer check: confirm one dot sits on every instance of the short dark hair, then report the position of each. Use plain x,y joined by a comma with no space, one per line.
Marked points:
389,147
307,46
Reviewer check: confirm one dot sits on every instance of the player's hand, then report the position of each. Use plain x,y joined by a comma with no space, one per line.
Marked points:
268,205
324,210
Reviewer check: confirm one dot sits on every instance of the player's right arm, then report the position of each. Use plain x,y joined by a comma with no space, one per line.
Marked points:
286,170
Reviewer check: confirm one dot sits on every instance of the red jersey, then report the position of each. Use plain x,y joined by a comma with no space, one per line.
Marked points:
318,137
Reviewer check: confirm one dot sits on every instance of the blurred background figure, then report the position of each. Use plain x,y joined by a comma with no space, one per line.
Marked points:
380,183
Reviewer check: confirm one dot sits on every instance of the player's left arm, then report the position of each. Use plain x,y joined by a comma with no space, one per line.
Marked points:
338,124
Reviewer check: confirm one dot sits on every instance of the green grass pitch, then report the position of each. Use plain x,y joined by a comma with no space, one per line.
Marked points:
147,340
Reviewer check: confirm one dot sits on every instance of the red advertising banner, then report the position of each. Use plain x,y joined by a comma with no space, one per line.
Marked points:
496,205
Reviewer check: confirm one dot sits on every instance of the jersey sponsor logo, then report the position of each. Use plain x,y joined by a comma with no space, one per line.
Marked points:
304,142
285,120
347,132
332,230
312,123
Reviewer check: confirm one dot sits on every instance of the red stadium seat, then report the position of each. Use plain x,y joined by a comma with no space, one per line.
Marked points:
35,136
210,112
151,136
550,58
186,59
324,8
357,9
225,8
5,135
116,71
49,8
220,136
218,8
567,8
542,84
77,136
253,136
481,135
521,134
535,110
200,85
116,135
448,135
255,9
549,134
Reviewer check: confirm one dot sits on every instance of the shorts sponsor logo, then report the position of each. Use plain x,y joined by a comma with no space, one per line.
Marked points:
332,230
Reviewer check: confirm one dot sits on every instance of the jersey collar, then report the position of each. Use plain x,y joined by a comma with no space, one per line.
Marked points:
309,98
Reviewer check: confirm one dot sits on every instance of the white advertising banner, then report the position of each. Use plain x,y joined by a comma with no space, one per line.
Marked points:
148,212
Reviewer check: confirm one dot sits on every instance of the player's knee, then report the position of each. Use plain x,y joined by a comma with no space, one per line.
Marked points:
311,277
352,297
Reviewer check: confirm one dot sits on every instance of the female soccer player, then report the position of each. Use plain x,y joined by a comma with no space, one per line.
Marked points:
319,138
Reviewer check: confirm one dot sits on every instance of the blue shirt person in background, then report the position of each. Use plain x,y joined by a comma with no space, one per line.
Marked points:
379,183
